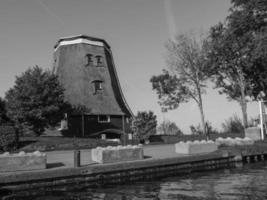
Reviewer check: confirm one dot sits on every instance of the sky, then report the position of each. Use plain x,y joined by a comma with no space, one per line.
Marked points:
137,31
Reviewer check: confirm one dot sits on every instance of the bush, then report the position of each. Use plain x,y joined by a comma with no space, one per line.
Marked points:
171,139
144,124
197,130
233,125
8,138
169,128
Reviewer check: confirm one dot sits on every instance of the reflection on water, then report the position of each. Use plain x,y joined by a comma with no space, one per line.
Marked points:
246,183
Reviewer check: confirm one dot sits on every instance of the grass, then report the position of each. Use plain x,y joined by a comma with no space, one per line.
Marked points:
29,144
52,143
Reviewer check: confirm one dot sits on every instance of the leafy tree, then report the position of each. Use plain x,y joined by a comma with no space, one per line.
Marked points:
144,124
36,100
169,128
186,77
228,65
237,52
249,21
3,116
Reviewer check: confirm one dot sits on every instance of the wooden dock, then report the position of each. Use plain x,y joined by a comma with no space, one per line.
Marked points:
121,172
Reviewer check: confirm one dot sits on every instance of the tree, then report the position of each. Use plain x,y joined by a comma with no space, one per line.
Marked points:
3,115
36,100
144,124
249,20
227,61
169,128
187,75
237,52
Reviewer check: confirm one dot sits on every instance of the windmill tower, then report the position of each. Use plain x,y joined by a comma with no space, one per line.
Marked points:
86,70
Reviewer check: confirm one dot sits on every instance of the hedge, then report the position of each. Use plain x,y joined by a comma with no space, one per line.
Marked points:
171,139
8,138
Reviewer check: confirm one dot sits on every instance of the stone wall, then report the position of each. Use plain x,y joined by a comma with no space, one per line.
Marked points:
195,147
253,133
117,154
22,161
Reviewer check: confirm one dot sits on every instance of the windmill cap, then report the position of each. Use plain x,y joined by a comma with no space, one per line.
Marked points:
81,39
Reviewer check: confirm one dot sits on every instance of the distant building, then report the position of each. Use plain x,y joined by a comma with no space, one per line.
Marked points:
86,70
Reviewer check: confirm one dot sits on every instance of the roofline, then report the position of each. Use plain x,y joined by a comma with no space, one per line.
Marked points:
119,86
82,36
97,114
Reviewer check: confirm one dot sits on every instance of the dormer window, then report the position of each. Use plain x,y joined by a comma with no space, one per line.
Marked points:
89,59
97,85
99,61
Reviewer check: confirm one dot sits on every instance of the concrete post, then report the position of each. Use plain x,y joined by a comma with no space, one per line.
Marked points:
83,125
123,130
77,158
262,121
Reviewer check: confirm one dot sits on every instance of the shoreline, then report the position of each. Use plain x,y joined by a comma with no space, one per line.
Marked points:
151,167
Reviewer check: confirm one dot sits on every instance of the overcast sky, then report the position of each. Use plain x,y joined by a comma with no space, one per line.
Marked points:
136,31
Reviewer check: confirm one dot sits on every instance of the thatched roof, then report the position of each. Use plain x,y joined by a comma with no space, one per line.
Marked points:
77,77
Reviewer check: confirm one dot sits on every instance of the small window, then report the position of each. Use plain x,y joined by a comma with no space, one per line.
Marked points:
103,118
127,120
98,86
99,61
89,59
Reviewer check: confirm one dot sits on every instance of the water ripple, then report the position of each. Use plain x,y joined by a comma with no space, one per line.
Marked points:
248,183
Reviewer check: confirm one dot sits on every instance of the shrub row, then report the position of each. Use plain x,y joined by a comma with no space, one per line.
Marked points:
29,144
8,138
171,139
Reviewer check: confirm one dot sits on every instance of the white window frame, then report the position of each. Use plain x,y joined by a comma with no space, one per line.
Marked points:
103,121
100,85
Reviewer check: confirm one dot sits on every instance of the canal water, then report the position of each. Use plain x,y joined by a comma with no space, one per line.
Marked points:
246,183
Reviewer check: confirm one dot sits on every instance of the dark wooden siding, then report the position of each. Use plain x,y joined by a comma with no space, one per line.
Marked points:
91,125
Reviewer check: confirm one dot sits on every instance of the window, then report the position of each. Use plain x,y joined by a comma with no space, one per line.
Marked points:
97,86
127,120
103,118
99,61
89,59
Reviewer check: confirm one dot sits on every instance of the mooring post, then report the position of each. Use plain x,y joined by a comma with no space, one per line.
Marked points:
238,160
262,118
256,158
77,158
225,154
124,139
